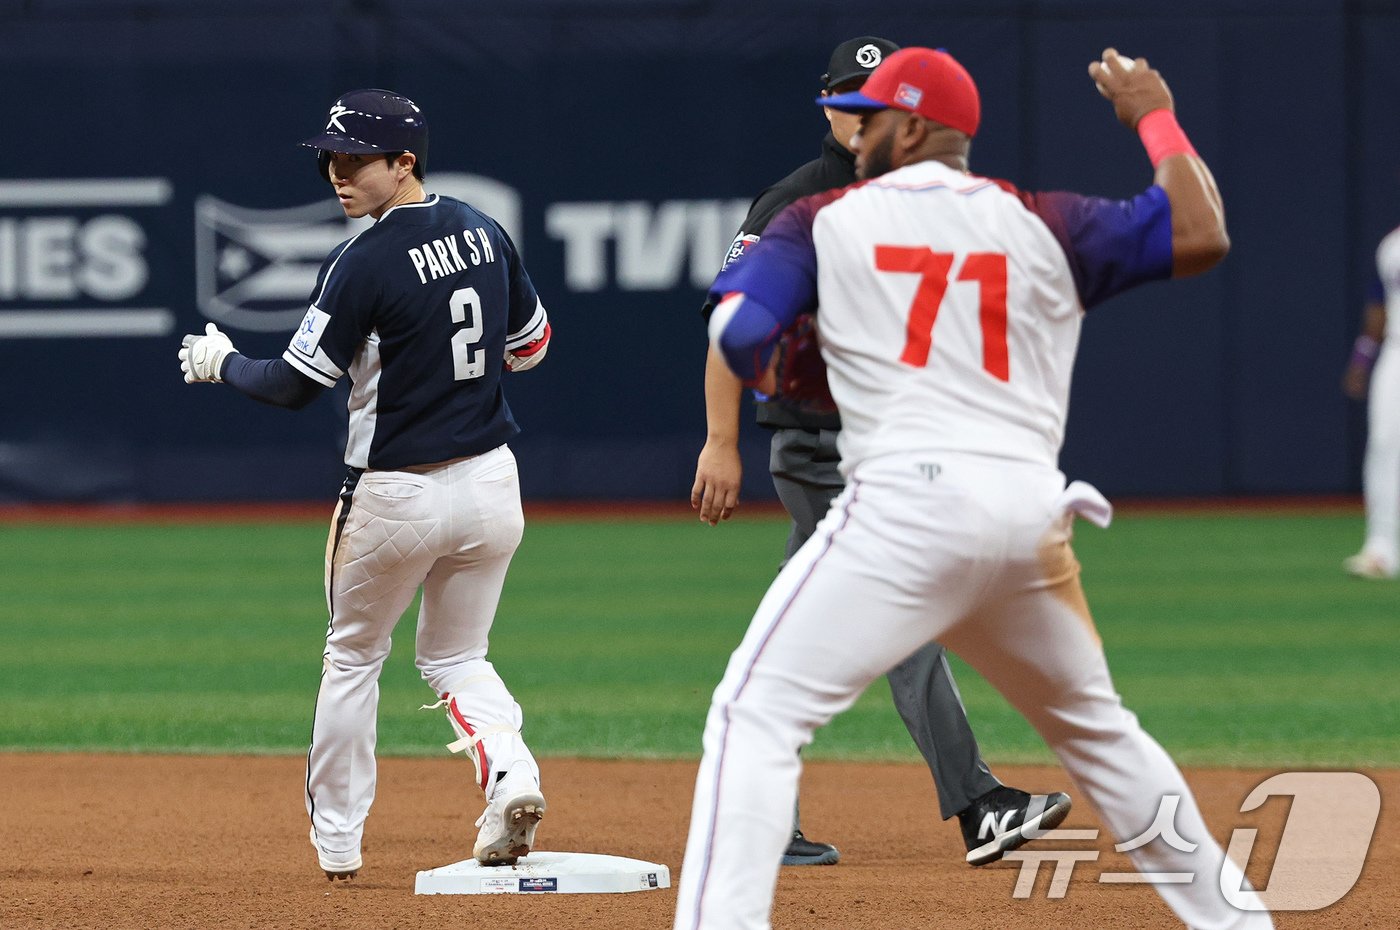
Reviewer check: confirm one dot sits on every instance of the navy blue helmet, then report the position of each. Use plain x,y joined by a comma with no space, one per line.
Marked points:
365,121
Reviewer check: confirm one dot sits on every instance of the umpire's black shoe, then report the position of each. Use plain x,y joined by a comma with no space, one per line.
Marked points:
1005,818
802,851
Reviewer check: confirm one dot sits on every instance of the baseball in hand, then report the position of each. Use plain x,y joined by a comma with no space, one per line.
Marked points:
1124,62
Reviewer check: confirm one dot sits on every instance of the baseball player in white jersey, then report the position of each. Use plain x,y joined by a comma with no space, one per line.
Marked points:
948,307
424,311
1375,358
994,818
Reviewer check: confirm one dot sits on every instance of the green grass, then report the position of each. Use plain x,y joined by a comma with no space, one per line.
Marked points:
1236,639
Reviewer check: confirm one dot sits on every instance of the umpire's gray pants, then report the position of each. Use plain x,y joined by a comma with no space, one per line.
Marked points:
804,465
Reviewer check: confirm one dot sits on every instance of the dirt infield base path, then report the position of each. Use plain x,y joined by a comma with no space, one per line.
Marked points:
174,842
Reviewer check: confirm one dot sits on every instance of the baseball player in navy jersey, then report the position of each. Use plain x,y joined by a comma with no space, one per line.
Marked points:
1375,365
948,310
424,311
805,464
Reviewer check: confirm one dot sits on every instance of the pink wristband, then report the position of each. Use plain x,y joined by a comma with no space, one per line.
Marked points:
1161,135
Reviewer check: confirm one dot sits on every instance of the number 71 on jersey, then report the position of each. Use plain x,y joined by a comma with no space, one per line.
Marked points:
987,269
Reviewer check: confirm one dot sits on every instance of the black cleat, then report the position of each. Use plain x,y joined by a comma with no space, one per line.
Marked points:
802,851
1005,818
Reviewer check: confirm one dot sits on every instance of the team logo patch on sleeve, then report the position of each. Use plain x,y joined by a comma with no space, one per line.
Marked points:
308,335
738,247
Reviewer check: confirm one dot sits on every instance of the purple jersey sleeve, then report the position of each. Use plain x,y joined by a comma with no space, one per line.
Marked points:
780,271
1111,245
778,278
748,339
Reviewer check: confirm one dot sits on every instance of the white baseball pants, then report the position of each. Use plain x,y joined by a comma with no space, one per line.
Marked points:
971,551
450,528
1381,473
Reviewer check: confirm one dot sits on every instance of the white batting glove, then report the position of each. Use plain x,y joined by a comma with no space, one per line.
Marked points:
202,357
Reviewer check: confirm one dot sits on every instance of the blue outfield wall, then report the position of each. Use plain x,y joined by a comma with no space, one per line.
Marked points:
153,182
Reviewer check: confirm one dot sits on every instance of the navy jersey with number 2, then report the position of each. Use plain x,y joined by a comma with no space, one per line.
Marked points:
420,310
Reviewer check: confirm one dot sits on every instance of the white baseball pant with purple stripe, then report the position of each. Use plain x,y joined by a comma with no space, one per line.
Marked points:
974,552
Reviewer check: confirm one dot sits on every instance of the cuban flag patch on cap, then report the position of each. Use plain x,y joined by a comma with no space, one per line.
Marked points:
908,96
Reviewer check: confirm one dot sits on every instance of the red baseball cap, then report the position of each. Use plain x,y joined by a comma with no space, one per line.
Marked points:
926,81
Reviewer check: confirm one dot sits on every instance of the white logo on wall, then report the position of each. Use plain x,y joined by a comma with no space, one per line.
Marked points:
652,247
73,258
867,56
74,252
255,269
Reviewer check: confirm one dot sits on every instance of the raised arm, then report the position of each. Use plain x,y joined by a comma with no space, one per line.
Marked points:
1143,103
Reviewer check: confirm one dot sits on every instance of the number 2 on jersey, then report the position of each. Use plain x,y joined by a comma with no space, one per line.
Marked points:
988,269
466,308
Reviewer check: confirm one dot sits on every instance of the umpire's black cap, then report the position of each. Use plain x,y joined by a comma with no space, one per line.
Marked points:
856,58
373,120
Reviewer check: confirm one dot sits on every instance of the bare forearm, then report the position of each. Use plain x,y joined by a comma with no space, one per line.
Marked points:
719,472
1199,239
723,392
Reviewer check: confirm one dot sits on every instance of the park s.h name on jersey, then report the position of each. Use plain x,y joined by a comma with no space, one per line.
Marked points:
441,257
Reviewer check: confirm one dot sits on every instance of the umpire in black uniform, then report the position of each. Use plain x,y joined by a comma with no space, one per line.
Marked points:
804,464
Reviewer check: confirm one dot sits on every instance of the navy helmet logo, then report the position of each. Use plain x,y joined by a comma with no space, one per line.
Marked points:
337,112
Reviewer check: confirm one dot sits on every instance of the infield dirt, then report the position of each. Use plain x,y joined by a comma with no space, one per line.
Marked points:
158,842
